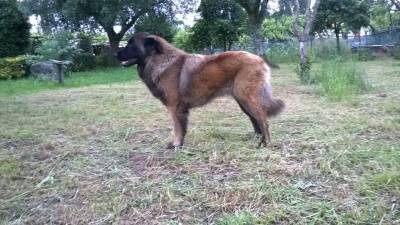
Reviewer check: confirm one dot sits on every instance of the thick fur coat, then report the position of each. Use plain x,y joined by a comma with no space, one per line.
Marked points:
182,81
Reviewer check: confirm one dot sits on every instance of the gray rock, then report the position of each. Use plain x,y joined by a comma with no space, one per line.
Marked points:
52,71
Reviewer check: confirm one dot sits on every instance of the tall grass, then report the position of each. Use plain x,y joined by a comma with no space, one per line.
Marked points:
339,78
327,50
74,79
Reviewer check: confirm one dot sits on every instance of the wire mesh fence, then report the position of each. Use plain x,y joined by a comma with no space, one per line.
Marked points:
385,38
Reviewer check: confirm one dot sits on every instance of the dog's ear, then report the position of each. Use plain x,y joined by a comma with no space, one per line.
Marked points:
152,45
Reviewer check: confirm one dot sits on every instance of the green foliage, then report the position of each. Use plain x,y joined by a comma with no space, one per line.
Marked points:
158,24
339,78
64,46
85,42
14,30
365,54
341,16
221,25
278,28
83,61
396,52
287,52
94,14
104,59
182,40
12,67
382,16
244,41
58,46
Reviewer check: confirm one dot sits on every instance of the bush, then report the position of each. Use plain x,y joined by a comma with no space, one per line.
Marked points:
327,49
82,61
396,52
12,67
14,30
287,52
58,46
339,78
85,43
63,46
105,59
365,54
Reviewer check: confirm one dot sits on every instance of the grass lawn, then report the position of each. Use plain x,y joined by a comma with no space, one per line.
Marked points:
73,79
95,155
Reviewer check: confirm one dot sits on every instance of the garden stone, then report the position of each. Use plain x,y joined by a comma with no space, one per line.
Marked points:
50,70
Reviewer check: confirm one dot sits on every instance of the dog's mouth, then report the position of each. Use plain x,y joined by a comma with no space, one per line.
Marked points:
129,62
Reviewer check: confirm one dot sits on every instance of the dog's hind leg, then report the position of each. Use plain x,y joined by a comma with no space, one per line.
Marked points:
258,114
257,129
179,114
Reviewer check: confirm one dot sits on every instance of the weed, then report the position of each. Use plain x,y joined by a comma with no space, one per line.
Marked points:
339,79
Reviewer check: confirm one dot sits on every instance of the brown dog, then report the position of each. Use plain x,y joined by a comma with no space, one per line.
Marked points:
183,81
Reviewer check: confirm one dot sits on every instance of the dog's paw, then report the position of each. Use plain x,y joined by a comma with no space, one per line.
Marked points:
263,143
171,145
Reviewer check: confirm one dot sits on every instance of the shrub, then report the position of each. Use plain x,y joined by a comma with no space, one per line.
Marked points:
365,54
396,52
287,52
85,43
12,67
105,59
58,46
339,78
14,30
82,61
63,46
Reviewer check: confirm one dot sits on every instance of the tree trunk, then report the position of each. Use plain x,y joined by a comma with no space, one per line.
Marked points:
229,46
256,35
303,52
337,31
114,40
305,65
114,44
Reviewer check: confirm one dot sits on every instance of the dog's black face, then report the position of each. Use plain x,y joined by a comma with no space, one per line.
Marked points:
138,48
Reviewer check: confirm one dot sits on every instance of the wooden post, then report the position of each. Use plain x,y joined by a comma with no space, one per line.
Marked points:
59,76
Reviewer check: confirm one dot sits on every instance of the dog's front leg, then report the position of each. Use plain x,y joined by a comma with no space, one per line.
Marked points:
179,115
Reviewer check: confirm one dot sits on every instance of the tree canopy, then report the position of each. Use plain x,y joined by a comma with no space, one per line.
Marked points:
256,11
220,25
157,23
95,14
14,27
341,16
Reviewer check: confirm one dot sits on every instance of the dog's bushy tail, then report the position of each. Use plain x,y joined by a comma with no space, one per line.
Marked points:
273,106
269,63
